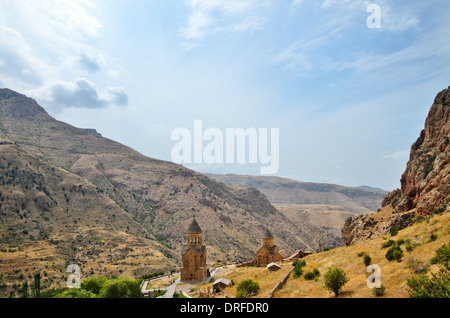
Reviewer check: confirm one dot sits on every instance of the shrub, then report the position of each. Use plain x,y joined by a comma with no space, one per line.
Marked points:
400,242
419,218
433,237
246,288
442,255
394,233
390,253
360,254
397,255
388,244
123,287
316,272
297,272
309,276
367,260
298,268
436,286
379,291
335,279
93,284
75,293
299,263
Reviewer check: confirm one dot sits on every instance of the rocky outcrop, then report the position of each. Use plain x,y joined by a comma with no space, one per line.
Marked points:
392,198
425,184
364,227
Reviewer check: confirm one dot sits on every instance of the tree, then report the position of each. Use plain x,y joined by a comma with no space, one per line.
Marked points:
246,288
24,290
298,268
93,284
123,287
335,279
436,286
76,293
36,286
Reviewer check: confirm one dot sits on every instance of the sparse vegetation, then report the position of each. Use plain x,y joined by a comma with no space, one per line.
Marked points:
436,286
335,279
367,260
379,291
247,288
298,268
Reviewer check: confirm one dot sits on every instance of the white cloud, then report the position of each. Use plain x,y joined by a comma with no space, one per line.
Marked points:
398,155
209,17
81,93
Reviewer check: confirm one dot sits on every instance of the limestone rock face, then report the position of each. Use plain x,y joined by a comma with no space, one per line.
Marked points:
364,227
425,184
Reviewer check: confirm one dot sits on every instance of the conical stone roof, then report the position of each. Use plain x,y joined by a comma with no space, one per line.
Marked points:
267,234
194,228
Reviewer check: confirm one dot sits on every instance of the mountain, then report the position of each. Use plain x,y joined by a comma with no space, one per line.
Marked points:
324,205
425,184
91,191
369,188
283,190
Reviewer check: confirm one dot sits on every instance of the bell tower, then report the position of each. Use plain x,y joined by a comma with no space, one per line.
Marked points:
194,268
194,236
267,239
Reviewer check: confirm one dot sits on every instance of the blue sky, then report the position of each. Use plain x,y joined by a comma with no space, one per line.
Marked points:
349,100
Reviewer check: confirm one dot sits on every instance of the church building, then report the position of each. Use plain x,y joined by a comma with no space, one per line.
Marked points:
194,267
268,253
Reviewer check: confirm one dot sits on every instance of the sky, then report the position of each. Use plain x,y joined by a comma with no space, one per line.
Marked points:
348,98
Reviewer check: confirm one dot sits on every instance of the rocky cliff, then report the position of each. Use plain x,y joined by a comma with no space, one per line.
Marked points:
425,184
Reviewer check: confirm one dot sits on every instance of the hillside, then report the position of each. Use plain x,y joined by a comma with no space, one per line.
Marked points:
394,274
159,198
326,205
50,218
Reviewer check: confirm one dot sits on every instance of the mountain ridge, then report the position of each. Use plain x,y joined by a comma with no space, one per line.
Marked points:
159,196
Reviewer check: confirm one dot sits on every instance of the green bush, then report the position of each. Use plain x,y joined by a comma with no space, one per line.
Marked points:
309,276
297,272
76,293
436,286
298,268
397,255
433,237
394,250
400,242
367,260
388,244
316,272
93,284
379,291
335,279
247,288
123,287
442,255
360,254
